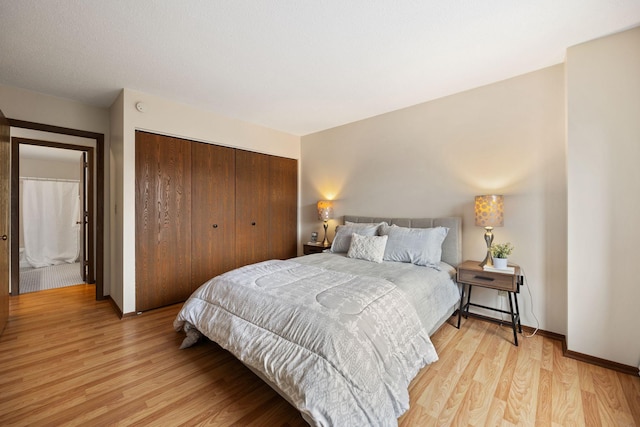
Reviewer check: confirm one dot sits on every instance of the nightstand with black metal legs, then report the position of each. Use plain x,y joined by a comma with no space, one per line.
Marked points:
471,274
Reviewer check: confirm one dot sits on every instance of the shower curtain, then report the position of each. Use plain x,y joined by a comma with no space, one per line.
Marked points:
50,210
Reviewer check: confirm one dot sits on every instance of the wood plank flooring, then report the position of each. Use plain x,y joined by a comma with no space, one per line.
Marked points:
66,359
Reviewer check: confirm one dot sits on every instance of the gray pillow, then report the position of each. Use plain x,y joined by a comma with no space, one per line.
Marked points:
420,246
365,224
368,248
342,241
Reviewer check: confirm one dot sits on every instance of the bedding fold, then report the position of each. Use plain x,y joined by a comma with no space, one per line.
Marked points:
342,347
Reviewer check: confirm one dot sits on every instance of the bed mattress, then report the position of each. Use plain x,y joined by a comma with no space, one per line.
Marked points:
433,293
341,339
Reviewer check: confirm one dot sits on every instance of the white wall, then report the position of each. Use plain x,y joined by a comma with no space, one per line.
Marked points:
603,87
50,168
432,159
179,120
35,107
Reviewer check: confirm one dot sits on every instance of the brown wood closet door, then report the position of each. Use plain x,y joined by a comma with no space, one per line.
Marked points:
213,222
163,220
5,208
283,205
252,207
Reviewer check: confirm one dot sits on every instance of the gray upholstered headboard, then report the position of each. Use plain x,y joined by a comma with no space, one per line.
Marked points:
452,245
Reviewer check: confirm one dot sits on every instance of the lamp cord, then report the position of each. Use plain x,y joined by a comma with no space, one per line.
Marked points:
526,283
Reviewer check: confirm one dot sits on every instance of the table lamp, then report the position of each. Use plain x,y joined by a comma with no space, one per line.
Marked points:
325,213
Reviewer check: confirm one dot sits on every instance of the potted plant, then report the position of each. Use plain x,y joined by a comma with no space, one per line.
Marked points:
500,252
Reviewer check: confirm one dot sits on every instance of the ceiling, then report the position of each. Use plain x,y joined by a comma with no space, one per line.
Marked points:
298,66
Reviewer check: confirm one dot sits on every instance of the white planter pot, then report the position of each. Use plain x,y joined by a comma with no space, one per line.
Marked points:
500,262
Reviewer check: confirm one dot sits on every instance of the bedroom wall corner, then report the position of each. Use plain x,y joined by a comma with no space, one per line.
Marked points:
116,155
603,106
431,159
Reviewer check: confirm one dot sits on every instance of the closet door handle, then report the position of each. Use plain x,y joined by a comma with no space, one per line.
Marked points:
4,237
215,225
253,223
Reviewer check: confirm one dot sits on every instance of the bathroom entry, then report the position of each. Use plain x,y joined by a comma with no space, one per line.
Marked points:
54,230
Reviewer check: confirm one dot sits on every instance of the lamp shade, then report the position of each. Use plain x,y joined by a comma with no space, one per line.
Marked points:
325,210
489,211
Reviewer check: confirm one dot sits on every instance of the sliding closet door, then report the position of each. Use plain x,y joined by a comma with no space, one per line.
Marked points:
163,220
283,207
252,207
213,211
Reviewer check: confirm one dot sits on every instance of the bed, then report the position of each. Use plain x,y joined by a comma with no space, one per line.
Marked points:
339,334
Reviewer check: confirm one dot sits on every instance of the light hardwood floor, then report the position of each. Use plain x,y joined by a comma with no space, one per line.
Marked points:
66,359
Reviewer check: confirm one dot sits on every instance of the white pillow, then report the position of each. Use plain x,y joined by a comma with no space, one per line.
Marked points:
420,246
342,240
368,248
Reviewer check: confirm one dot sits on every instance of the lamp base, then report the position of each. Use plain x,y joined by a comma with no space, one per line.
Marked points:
325,241
488,239
488,260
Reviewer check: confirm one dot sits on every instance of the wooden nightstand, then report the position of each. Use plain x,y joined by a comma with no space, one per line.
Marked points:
314,248
471,274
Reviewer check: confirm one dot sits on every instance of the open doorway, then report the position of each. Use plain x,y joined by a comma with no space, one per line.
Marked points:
55,232
94,213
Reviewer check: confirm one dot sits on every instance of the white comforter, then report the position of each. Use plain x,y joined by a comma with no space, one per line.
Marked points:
342,348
